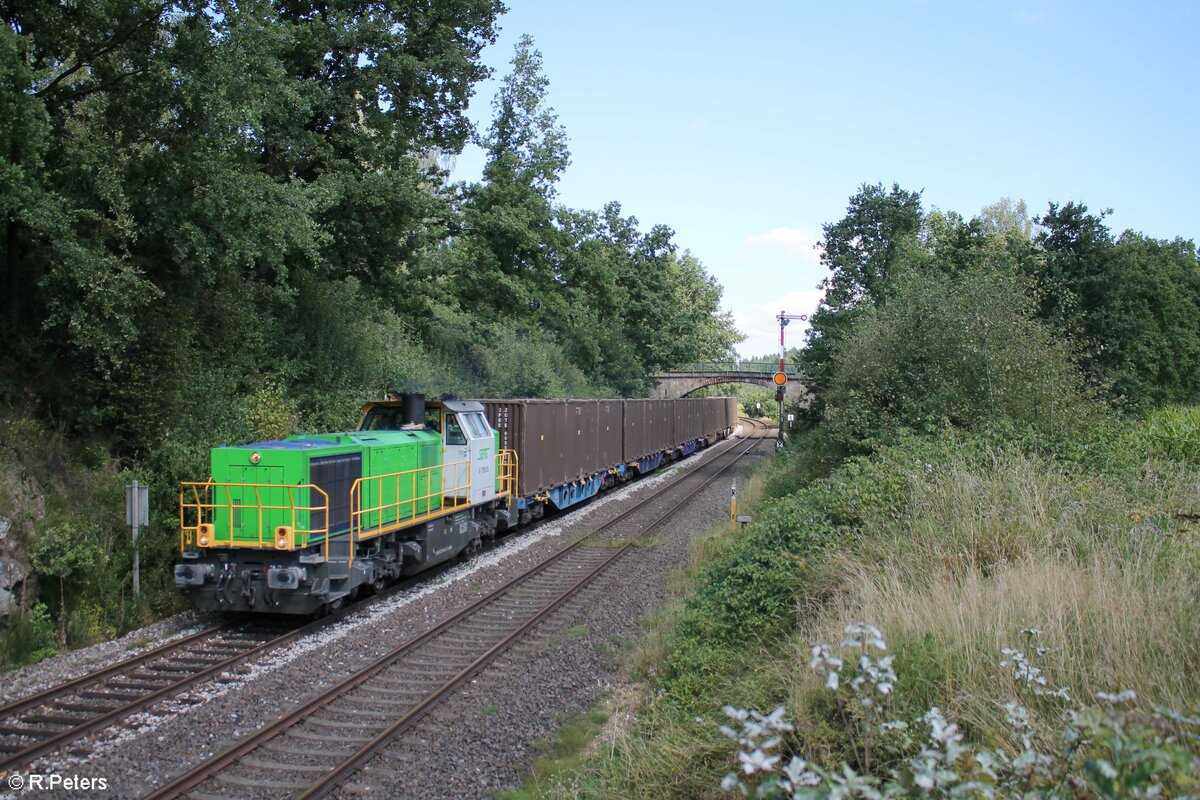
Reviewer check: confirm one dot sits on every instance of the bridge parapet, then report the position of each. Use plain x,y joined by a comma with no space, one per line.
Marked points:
753,367
684,380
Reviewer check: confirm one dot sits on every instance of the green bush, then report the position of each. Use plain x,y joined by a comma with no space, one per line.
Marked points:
28,639
1172,432
960,351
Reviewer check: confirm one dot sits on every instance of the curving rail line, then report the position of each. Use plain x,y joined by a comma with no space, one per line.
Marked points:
313,748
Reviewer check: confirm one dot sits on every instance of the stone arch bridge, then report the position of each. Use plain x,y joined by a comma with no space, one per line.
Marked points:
682,380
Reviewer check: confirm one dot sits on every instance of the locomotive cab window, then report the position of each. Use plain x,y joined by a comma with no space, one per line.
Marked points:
382,418
473,425
481,424
454,433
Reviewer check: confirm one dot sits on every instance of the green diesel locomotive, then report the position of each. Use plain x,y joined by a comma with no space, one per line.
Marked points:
300,525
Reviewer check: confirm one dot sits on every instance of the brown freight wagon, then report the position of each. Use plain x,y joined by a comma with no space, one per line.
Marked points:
566,448
557,441
649,428
699,418
681,427
714,418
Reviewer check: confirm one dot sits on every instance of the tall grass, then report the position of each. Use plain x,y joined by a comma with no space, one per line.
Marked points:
1105,569
952,546
1173,432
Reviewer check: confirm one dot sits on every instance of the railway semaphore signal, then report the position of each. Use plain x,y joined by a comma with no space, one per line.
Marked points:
780,378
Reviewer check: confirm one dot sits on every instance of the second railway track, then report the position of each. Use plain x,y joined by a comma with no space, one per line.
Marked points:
315,747
41,723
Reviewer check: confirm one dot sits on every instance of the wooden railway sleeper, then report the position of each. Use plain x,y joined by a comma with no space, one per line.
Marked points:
323,737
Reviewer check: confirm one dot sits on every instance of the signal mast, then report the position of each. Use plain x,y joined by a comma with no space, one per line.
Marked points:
780,378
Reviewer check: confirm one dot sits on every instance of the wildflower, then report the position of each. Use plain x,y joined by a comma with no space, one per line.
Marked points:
945,735
823,657
860,634
758,761
798,774
1023,671
824,661
775,720
740,714
1124,696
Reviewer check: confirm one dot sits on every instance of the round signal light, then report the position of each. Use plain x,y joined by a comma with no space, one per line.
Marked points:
255,457
780,378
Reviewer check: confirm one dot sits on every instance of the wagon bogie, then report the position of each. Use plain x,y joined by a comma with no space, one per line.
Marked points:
298,525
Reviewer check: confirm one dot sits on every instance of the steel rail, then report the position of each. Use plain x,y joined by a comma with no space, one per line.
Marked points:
54,692
14,710
107,718
240,750
210,768
658,495
330,780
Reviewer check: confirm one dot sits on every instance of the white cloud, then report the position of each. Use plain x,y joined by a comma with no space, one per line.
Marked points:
762,328
798,243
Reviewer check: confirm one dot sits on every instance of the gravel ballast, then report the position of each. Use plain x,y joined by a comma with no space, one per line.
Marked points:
477,742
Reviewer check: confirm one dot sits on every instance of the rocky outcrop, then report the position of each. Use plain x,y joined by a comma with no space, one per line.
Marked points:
22,504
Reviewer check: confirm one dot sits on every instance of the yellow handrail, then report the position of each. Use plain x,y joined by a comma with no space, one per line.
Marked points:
367,522
507,476
197,507
197,510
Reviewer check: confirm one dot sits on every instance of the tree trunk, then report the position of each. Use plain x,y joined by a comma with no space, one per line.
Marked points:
62,613
13,270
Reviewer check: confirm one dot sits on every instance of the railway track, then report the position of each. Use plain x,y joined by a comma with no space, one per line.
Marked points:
310,750
43,722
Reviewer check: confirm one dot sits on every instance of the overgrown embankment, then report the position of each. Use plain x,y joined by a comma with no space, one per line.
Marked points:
66,556
978,571
276,247
952,546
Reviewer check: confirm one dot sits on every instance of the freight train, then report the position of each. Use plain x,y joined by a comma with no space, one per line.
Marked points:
300,525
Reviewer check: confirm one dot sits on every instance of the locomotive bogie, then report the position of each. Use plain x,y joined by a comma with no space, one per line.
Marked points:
299,525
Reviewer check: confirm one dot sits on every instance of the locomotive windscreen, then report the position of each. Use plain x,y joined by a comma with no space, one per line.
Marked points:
335,475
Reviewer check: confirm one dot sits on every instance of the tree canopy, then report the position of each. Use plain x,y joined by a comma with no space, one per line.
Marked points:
915,298
210,204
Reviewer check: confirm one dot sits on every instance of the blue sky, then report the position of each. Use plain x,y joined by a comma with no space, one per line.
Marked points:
746,129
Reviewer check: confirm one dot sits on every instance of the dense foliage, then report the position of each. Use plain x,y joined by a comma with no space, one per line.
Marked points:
226,221
1127,307
985,477
203,199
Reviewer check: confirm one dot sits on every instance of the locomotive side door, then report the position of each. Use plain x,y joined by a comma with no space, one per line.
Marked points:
456,456
469,454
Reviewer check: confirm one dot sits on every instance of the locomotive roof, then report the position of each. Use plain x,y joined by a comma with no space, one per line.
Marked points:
462,405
